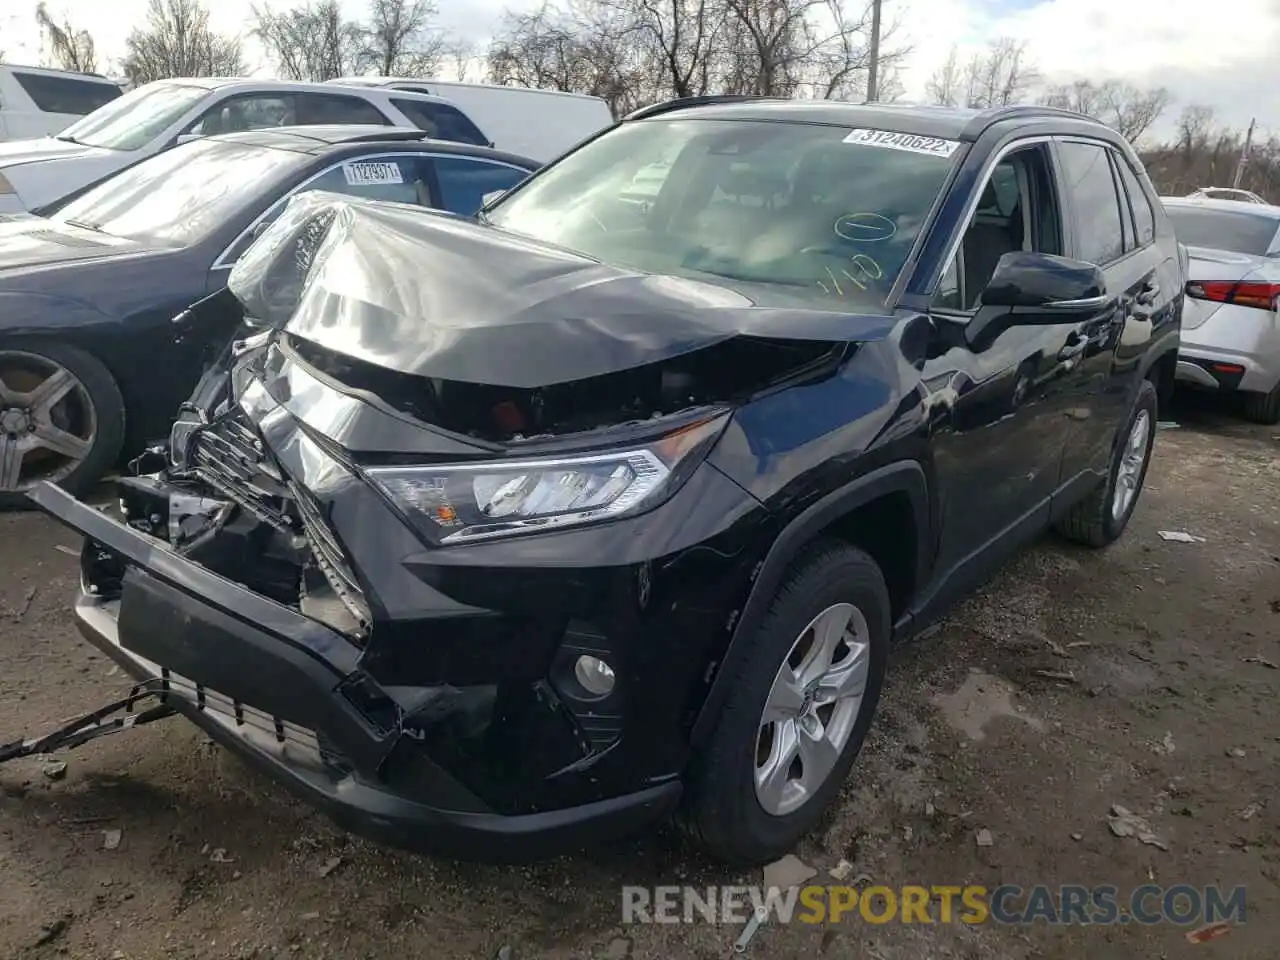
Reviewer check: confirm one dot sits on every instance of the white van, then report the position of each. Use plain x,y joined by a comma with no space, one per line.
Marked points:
538,124
36,102
156,116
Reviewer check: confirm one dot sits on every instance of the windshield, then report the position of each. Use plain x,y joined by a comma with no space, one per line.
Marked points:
814,210
135,119
178,197
1240,231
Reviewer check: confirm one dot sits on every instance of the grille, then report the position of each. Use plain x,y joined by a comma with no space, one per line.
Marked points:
228,456
329,556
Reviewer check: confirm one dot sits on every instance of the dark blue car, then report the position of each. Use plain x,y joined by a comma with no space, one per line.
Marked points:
91,365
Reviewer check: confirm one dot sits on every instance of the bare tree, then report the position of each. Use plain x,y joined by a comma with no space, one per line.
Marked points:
1128,109
1000,75
461,54
634,52
312,42
945,86
400,40
178,42
582,50
72,49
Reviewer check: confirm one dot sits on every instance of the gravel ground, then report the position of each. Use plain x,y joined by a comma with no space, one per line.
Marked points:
1075,681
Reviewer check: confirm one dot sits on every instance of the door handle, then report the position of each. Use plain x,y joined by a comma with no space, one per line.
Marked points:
1147,295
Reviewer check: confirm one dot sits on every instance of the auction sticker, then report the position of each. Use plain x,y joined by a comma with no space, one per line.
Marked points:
370,173
910,142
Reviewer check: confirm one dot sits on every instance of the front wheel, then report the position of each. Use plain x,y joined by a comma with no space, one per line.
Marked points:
1100,518
799,710
61,419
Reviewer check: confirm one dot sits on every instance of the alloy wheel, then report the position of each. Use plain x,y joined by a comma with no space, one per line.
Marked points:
47,420
1129,471
812,708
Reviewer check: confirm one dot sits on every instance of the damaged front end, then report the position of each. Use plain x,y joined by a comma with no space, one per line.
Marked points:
417,503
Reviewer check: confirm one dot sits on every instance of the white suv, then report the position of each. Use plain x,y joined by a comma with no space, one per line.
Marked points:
159,115
35,101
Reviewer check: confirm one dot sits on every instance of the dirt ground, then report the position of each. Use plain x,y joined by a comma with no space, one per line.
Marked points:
1076,680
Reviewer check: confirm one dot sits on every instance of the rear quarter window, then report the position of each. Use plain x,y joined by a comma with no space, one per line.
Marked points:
442,121
65,94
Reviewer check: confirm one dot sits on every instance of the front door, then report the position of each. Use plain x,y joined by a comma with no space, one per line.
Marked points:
999,393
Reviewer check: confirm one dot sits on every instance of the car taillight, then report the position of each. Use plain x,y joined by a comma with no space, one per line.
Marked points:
1264,296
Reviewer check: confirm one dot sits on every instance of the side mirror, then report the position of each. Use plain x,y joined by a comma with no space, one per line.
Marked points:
1041,281
491,197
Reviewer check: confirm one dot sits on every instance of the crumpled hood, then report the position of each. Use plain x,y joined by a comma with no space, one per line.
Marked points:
437,296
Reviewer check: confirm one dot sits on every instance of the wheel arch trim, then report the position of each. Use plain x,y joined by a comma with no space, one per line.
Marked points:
901,477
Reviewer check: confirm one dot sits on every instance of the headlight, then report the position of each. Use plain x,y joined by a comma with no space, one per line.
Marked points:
466,502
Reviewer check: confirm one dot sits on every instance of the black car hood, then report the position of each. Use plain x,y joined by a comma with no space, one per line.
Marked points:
32,241
437,296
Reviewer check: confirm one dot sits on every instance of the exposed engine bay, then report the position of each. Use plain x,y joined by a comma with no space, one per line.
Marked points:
726,373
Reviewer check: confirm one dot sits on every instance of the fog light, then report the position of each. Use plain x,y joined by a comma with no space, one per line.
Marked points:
595,675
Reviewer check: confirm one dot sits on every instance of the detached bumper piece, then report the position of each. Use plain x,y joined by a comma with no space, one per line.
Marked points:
116,717
287,693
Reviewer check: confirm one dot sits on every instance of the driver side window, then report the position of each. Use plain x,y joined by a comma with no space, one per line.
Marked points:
1017,210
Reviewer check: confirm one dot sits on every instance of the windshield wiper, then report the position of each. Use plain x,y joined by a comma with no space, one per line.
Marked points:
66,139
95,227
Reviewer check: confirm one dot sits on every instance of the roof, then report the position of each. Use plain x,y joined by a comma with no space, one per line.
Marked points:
284,86
950,123
1228,206
55,72
321,139
382,81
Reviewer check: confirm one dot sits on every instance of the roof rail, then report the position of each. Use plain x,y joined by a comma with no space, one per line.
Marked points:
654,109
995,115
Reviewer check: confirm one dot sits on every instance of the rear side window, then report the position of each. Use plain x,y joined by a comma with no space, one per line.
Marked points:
327,108
398,179
1099,228
464,182
65,94
442,121
1235,231
1143,216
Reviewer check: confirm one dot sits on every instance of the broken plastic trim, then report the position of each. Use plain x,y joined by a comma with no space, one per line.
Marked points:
98,723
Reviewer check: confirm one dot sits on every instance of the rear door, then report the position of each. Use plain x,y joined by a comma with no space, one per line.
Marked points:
462,182
1104,234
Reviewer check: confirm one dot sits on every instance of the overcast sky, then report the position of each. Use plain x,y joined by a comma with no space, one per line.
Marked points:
1221,54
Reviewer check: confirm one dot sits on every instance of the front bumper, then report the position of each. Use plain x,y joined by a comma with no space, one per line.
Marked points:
288,694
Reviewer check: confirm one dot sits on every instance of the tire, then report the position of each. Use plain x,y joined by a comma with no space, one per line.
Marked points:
1263,407
1093,522
93,400
722,810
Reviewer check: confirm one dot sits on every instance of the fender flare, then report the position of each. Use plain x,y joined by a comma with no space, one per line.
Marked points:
906,476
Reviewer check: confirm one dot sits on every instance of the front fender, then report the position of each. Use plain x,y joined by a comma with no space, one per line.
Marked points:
901,477
28,313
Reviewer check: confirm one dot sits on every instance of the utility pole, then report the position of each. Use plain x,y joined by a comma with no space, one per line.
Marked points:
1244,155
873,72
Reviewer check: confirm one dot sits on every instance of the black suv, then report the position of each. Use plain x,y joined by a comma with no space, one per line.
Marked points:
494,536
